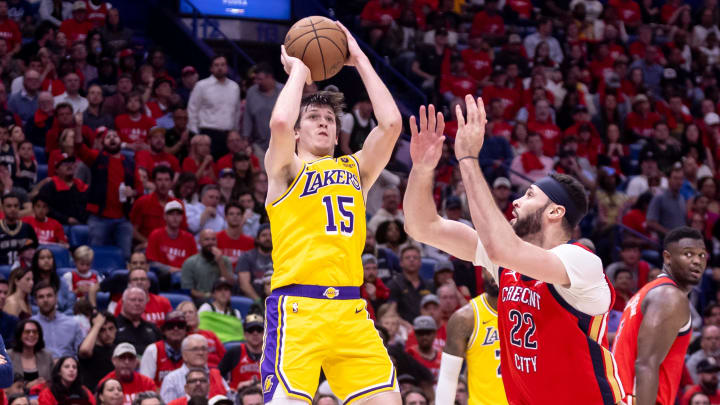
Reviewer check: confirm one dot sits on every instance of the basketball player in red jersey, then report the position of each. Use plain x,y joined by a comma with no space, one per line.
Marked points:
654,331
554,297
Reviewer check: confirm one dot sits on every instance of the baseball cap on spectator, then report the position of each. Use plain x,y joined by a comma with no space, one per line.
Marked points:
453,202
424,322
368,258
220,400
708,365
443,265
711,119
221,282
173,205
188,70
428,299
79,5
157,129
174,318
124,348
640,98
501,182
253,320
65,158
226,172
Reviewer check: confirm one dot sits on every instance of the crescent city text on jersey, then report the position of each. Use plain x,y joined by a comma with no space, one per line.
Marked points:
317,180
516,293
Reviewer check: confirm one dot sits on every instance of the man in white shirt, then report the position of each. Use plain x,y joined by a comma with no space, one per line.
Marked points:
214,106
71,94
205,214
640,183
552,283
544,34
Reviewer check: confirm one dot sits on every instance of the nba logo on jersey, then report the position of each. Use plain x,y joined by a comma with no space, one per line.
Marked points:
331,293
268,384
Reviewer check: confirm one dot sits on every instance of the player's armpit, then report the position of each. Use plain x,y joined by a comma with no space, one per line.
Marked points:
459,329
376,152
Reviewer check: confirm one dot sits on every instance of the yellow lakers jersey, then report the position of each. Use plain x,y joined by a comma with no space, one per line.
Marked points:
485,386
318,226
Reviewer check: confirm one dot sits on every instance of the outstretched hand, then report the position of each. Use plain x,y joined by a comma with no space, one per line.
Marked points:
426,142
354,51
471,133
291,63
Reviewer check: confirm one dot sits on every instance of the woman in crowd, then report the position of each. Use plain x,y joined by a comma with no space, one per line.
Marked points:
110,392
45,269
185,188
200,161
29,356
388,318
65,386
20,287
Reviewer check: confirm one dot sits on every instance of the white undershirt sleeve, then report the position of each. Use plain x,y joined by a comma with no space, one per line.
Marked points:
482,259
450,367
588,291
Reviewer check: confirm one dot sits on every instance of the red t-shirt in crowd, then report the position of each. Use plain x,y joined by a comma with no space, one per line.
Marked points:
216,350
636,220
477,63
374,12
232,248
148,160
459,86
52,137
642,126
432,365
48,231
133,131
139,383
227,161
438,343
75,31
46,397
155,310
97,14
487,24
172,252
190,165
116,176
509,98
550,134
522,7
10,32
148,214
628,10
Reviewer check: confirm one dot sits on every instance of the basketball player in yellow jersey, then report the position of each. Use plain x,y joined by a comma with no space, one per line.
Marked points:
472,334
315,317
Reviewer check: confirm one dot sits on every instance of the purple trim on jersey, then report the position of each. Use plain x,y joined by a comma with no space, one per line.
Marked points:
267,367
318,292
594,348
370,390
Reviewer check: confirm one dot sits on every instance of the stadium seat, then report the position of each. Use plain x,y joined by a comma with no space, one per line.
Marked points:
242,304
230,345
427,269
176,299
42,172
107,259
5,272
62,255
103,300
40,156
79,235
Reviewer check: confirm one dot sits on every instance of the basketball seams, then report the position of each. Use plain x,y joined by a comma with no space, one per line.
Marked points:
319,27
322,55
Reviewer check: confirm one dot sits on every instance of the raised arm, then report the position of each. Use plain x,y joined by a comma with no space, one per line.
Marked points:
422,221
666,312
502,245
379,144
280,156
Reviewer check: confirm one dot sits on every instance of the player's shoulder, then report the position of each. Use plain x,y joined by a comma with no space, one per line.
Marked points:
576,253
464,316
668,294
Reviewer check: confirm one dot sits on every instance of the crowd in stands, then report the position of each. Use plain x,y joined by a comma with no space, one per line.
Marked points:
108,152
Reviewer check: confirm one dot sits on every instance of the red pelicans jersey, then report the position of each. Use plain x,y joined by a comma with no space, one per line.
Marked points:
552,353
625,348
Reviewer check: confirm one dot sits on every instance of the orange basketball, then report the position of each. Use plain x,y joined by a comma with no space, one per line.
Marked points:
320,44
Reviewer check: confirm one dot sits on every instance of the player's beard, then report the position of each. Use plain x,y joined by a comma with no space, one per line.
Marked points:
529,225
112,149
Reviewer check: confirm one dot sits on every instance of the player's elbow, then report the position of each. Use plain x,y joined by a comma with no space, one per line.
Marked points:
393,123
280,124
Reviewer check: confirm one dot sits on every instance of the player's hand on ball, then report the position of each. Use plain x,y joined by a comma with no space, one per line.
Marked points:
426,142
291,63
470,133
354,51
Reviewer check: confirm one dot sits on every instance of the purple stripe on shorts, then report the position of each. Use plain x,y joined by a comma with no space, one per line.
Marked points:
369,390
267,368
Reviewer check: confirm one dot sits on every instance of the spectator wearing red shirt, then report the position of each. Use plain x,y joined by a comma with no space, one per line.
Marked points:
424,352
125,362
159,104
148,160
47,229
499,89
157,306
628,11
457,83
373,290
9,30
200,161
543,125
97,11
377,16
478,58
169,246
64,119
641,121
216,350
636,218
489,23
134,126
147,213
707,371
77,27
232,241
110,192
236,144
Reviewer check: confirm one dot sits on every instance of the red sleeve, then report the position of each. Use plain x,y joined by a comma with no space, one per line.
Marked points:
143,160
46,398
88,134
189,165
165,304
175,164
152,247
60,232
191,246
86,154
16,36
219,347
51,163
65,28
118,308
90,395
148,383
136,212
